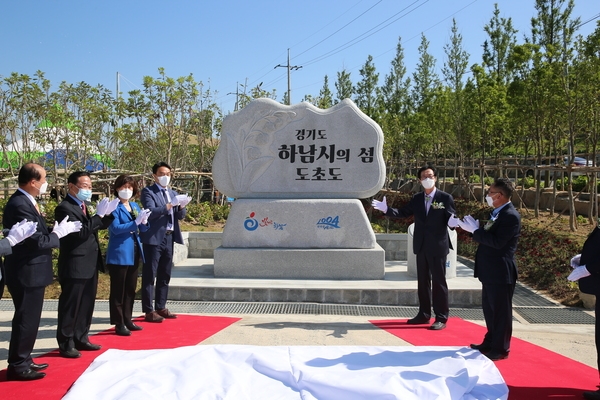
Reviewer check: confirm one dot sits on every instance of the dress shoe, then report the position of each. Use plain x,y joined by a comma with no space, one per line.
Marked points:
484,348
38,367
122,330
27,375
437,326
87,346
495,356
153,317
592,395
165,313
71,353
418,320
133,327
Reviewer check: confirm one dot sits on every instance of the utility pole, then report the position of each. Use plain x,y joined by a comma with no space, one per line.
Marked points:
289,68
237,95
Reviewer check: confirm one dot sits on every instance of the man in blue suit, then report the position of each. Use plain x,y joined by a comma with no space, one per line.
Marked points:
167,208
433,210
496,267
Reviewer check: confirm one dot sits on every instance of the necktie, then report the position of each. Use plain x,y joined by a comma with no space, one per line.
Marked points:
427,203
164,192
37,208
83,208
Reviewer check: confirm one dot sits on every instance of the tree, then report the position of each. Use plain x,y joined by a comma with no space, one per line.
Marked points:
366,90
343,85
454,69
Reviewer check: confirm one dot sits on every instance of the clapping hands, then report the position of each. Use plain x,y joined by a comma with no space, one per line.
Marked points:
65,227
142,218
21,231
183,200
106,206
469,224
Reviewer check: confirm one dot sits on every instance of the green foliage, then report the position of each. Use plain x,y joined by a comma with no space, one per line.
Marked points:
205,213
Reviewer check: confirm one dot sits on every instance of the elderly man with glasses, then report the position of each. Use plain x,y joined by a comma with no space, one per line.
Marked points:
496,267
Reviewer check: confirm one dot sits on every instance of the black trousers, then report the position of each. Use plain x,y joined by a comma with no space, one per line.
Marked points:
28,304
497,310
75,309
432,286
597,331
123,282
158,265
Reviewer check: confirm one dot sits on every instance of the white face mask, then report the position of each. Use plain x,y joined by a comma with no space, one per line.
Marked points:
125,194
164,180
489,200
428,183
43,187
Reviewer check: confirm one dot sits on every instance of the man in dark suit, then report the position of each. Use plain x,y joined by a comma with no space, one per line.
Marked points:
496,267
433,211
167,208
29,270
587,268
79,261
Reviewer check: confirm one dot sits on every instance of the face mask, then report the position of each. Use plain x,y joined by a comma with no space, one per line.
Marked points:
125,194
84,194
164,180
428,183
43,187
489,200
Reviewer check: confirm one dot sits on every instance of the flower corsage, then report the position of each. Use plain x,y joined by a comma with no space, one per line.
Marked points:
438,206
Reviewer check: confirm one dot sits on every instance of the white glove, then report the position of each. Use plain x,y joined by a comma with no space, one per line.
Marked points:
175,201
106,206
21,231
102,206
380,205
453,221
469,224
142,218
578,273
183,200
145,220
575,261
65,227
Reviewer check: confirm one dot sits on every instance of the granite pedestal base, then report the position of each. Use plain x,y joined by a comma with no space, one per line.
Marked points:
288,263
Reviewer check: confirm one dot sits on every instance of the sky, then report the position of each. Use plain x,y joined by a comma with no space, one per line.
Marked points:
231,44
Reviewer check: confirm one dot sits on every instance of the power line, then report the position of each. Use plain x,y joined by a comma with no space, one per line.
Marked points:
366,34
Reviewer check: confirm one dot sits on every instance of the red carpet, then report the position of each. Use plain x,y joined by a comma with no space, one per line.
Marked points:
531,372
186,330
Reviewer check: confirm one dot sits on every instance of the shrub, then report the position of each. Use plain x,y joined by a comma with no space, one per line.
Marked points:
474,179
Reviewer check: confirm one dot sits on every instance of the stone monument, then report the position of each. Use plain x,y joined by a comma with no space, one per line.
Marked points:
297,174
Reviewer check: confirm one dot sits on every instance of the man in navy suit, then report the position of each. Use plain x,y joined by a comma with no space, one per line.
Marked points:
434,211
496,267
587,265
79,261
29,270
167,208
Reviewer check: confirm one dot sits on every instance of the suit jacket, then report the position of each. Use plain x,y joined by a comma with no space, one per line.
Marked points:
123,236
153,199
79,256
431,229
590,257
495,257
30,264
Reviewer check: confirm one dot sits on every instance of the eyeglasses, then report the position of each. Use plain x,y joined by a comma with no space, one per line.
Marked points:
490,192
428,176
